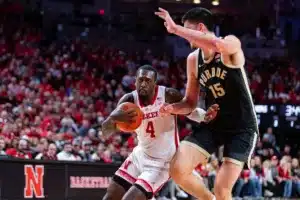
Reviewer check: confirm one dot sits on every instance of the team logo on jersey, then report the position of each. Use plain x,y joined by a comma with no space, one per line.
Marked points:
34,181
158,101
212,73
151,115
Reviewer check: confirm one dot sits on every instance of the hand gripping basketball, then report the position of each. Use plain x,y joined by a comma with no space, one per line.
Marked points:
211,113
129,117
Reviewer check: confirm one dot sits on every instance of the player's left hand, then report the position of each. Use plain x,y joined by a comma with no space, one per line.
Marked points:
169,23
165,110
211,113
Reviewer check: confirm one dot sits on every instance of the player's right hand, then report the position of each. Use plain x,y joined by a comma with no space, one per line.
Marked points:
211,113
169,22
124,116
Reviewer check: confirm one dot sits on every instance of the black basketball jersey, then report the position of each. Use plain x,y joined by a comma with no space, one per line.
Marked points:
229,88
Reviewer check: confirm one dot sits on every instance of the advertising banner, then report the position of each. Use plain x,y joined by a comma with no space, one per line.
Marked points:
21,179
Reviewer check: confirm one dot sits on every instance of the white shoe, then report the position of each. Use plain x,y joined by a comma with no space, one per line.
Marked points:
173,198
182,194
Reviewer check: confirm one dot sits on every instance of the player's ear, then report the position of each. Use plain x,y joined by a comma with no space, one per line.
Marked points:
201,27
135,81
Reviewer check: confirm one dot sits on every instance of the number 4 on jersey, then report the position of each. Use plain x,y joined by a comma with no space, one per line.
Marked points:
150,129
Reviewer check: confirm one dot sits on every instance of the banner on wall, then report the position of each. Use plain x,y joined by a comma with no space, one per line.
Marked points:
21,179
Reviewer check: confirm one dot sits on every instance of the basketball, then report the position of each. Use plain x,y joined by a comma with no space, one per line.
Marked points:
130,127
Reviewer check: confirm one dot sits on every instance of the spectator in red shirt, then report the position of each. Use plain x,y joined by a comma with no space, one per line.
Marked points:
284,171
21,151
106,156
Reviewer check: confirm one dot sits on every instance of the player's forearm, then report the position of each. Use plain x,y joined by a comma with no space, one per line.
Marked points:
184,107
197,115
108,127
200,39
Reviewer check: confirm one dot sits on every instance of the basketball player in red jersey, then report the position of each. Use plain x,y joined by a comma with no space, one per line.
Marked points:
217,67
147,168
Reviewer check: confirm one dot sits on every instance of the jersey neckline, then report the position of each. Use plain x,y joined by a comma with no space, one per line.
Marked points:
152,100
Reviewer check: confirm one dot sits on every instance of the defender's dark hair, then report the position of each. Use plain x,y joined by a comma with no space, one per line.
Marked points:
199,15
149,68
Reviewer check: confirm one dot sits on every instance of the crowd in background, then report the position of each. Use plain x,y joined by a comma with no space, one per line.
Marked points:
54,96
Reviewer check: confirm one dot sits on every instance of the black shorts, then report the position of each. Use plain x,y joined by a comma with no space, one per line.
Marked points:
238,146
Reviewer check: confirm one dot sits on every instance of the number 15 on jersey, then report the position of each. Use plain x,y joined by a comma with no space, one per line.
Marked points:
217,90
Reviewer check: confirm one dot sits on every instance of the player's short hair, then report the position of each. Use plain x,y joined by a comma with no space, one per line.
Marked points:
199,15
148,68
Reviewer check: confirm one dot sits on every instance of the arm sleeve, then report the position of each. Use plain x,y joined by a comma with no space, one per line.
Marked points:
197,115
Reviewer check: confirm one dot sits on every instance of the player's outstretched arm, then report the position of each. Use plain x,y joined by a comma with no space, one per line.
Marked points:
189,102
229,45
109,125
198,115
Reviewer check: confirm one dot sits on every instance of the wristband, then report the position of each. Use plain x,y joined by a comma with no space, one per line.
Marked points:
197,115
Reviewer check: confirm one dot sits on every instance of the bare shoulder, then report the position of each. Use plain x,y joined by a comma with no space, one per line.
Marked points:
232,38
237,59
193,55
126,98
192,62
173,95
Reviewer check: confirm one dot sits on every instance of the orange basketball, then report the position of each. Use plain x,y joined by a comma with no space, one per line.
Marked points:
130,127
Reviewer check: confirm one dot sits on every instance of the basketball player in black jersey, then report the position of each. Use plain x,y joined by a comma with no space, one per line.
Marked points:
122,187
217,67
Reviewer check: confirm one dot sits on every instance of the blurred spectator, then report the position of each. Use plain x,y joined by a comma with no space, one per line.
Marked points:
269,183
284,172
2,147
50,154
286,150
256,175
212,172
83,130
86,151
106,157
42,147
21,151
76,149
66,153
274,169
97,156
269,137
295,172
